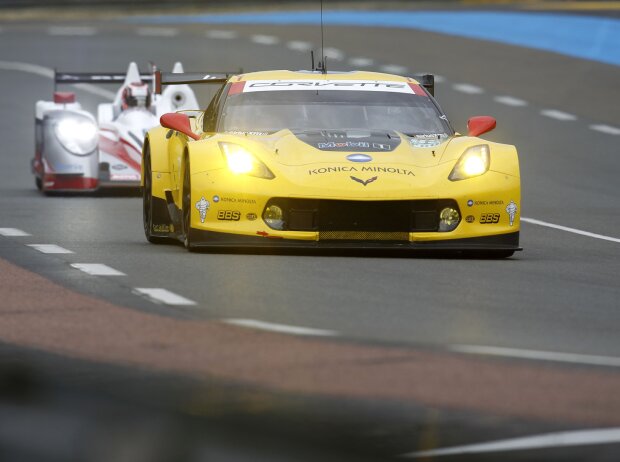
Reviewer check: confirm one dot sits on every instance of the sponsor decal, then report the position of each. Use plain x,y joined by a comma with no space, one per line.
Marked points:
238,200
251,216
494,202
161,228
470,218
216,199
428,140
228,215
343,144
359,158
365,168
119,167
511,209
346,85
382,147
364,182
489,218
203,205
236,132
71,168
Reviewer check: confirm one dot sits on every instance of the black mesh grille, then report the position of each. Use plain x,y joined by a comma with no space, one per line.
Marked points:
362,216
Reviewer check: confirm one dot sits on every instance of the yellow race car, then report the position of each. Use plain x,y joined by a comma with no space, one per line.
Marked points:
328,160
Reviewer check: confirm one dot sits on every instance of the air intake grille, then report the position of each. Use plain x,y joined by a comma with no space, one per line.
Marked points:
362,236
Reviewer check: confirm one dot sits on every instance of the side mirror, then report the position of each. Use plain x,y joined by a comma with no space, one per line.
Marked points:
179,122
480,124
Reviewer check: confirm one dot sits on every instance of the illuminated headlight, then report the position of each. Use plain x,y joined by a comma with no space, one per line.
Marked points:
474,162
243,162
77,135
449,219
274,217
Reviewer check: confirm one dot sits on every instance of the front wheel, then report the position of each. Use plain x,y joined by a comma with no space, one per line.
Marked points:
187,208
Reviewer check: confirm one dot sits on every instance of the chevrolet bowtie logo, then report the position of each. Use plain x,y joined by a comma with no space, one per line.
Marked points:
364,182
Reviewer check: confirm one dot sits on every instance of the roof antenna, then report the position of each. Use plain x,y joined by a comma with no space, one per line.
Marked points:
322,64
312,59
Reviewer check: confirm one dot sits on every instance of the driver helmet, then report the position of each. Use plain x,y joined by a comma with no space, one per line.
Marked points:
136,95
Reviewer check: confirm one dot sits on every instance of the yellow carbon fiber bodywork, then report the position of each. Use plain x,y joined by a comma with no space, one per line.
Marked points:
303,171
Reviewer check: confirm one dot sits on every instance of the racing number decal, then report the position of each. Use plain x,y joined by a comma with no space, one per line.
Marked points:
228,215
489,218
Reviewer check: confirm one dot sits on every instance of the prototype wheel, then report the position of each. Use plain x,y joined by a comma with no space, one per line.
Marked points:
187,207
147,202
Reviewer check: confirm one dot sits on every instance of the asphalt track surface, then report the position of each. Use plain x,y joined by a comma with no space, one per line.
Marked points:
383,329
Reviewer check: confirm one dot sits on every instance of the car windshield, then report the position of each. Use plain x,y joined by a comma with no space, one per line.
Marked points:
271,111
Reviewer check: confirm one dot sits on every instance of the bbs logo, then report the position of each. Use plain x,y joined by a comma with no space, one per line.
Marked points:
228,215
489,218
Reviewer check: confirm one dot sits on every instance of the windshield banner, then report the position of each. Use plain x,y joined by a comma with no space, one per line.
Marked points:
251,86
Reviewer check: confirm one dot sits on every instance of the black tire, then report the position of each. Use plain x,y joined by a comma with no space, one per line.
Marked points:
147,205
186,205
39,183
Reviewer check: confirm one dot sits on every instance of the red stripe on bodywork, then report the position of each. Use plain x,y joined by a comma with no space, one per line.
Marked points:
53,182
235,88
116,149
417,89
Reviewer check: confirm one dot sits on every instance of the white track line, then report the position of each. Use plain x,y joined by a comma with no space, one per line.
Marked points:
157,32
49,73
97,269
361,62
299,45
607,129
49,248
265,39
282,328
394,69
570,230
222,34
334,53
558,115
510,101
548,440
13,232
72,31
574,358
163,296
467,88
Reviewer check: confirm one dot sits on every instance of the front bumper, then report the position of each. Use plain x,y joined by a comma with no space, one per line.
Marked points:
500,242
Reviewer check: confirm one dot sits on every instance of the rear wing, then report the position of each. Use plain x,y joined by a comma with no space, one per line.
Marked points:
94,77
188,78
427,81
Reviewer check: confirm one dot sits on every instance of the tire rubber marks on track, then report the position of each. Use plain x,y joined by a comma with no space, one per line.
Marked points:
13,232
49,248
590,360
164,296
282,328
97,269
570,230
547,440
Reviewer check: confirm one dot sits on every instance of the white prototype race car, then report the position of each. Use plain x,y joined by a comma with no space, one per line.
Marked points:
74,151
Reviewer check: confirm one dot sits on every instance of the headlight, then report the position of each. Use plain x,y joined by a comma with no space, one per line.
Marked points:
449,219
242,162
77,135
474,162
